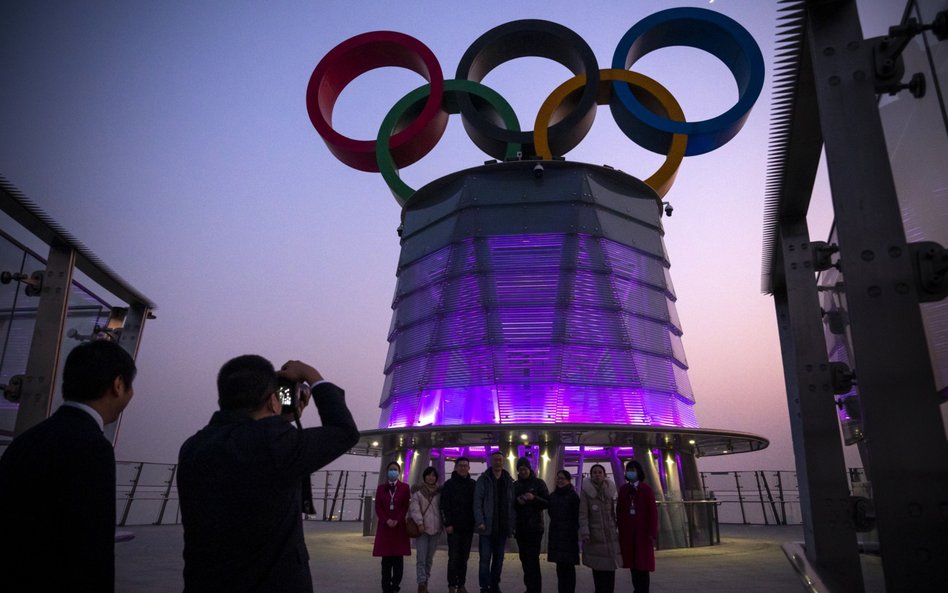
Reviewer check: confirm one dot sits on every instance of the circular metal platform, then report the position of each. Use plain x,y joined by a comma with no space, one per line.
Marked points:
700,442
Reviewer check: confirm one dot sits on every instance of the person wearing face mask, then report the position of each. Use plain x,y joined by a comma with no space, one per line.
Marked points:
392,499
597,528
638,526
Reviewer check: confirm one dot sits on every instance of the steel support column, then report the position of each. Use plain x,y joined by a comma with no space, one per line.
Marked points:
46,345
129,338
420,460
905,436
821,469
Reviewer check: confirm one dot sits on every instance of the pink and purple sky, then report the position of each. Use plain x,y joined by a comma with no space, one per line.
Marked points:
172,139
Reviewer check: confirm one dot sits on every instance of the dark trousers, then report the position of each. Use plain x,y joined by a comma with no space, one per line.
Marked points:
565,577
491,548
392,569
459,550
640,581
529,546
604,581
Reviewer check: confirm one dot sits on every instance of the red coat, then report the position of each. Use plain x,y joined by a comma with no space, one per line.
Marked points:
392,541
637,532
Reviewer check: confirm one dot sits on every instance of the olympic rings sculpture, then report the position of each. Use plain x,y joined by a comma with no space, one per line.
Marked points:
644,110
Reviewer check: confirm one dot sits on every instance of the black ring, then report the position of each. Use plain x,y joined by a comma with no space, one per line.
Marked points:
529,38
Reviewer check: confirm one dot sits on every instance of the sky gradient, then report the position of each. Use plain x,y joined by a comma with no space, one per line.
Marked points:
173,140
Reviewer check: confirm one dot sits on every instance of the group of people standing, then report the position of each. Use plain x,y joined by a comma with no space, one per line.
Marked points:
605,527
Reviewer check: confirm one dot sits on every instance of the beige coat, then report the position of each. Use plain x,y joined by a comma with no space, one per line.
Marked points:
597,521
430,518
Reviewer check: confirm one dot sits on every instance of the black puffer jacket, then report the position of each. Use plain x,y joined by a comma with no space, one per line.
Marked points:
563,541
457,502
530,512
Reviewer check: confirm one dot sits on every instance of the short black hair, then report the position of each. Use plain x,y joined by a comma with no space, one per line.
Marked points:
565,474
92,367
633,464
460,459
395,463
498,452
245,382
429,470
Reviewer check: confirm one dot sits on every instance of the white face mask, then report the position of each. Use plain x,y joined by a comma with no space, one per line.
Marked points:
392,474
632,476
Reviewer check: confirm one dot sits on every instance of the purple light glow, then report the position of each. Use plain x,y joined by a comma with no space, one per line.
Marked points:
552,328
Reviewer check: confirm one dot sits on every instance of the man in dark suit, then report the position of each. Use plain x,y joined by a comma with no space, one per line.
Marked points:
239,480
57,481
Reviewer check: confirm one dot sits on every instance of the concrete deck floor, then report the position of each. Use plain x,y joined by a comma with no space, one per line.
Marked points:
749,560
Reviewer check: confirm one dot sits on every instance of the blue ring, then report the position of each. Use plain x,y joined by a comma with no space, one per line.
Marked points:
703,29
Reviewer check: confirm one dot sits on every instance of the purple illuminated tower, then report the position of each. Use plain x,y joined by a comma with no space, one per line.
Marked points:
535,300
534,312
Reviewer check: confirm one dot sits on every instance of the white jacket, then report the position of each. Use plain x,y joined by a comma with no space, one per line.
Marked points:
425,511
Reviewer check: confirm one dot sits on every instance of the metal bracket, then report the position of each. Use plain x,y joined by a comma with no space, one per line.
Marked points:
823,255
887,55
863,513
33,282
98,333
836,321
842,378
930,262
13,390
850,419
911,28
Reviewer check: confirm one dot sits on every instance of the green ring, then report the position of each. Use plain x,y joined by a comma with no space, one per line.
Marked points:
402,110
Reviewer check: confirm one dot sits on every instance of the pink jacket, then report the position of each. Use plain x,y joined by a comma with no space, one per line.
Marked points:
391,504
637,532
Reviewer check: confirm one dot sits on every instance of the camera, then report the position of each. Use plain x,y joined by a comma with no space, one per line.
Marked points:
289,394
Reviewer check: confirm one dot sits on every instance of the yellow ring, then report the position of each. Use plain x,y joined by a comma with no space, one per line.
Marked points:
658,99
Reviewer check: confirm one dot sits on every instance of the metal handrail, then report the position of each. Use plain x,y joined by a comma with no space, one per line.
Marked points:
144,499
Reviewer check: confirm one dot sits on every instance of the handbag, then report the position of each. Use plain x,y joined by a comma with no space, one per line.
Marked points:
414,529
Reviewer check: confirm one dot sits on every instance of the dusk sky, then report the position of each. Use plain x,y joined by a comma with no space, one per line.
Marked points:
172,139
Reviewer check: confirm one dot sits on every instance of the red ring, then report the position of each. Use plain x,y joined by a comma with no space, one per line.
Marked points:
355,57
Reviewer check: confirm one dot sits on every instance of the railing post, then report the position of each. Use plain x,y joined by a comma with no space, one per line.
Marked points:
715,521
325,495
770,498
335,497
345,489
362,495
164,498
131,494
783,502
760,497
740,497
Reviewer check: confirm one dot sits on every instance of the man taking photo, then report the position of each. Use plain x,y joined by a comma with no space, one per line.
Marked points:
239,480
